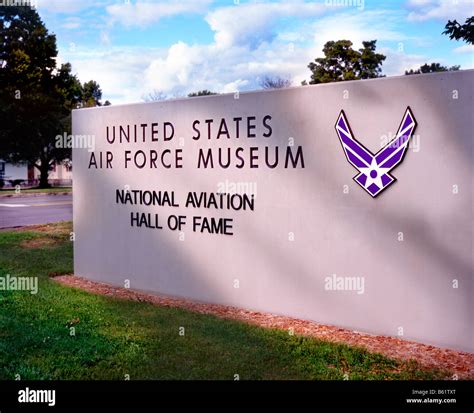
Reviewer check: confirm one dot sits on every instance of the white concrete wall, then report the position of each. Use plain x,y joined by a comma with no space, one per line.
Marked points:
305,227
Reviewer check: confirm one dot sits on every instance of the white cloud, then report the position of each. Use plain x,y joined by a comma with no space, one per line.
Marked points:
71,23
234,86
188,68
119,71
251,40
143,13
397,62
254,23
440,9
176,68
468,48
370,25
249,57
245,49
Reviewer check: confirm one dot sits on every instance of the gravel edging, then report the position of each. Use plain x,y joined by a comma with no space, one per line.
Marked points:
458,363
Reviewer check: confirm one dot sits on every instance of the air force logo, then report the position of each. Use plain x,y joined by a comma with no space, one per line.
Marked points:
373,169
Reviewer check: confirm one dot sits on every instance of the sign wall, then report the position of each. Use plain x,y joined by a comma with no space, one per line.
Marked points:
292,201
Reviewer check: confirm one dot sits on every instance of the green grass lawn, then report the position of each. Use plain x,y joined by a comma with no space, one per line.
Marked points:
114,338
9,192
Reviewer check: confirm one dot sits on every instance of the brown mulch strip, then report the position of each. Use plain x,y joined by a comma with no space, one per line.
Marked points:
457,362
39,243
61,228
53,228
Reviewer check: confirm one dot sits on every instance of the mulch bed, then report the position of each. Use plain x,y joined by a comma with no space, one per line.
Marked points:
458,363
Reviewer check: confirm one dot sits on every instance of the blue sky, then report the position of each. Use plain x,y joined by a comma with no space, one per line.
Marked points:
135,47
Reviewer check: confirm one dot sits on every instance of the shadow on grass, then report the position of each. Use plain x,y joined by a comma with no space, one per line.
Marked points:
64,333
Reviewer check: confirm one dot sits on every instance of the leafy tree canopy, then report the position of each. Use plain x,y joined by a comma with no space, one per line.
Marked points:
155,96
459,31
204,92
431,68
91,94
36,97
342,62
275,82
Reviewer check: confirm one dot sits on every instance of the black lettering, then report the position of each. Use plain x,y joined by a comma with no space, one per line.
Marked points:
250,127
207,160
253,156
92,161
165,136
110,157
267,126
153,158
128,158
276,158
209,122
154,131
107,136
140,166
124,134
223,129
289,156
119,196
237,122
221,163
179,158
196,122
240,158
167,166
143,126
134,218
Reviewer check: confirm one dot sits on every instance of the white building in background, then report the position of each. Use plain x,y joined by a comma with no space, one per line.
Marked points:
60,175
11,172
27,175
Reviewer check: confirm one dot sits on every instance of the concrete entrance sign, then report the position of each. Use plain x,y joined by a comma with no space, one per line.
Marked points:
249,200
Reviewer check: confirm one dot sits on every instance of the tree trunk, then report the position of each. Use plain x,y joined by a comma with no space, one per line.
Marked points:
44,172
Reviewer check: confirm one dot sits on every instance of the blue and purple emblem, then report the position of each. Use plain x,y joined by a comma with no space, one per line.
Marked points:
373,169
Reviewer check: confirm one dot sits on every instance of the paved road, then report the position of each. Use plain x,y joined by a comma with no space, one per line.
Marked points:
30,210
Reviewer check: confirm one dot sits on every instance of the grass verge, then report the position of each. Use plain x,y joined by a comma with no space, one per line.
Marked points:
35,191
65,333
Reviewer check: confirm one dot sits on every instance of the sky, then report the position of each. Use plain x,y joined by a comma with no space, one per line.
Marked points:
136,47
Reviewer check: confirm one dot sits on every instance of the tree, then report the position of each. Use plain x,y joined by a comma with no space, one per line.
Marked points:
91,94
154,96
341,62
431,68
204,92
275,82
79,95
71,87
36,97
459,31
